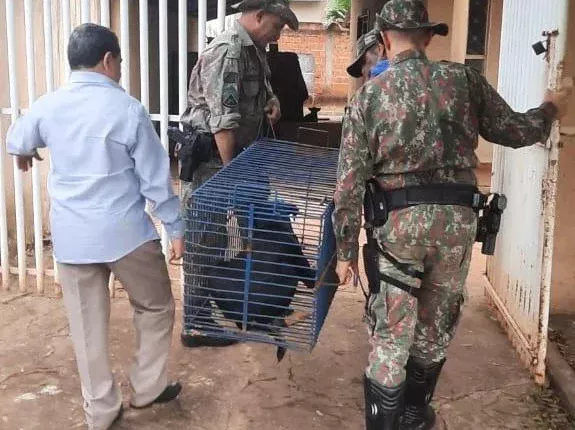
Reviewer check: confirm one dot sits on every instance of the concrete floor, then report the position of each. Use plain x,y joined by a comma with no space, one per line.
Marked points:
241,387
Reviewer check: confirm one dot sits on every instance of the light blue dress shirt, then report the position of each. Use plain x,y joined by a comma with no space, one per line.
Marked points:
107,160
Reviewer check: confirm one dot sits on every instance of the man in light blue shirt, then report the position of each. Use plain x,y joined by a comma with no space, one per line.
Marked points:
107,161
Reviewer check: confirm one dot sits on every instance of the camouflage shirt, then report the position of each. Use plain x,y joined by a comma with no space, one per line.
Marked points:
418,123
229,87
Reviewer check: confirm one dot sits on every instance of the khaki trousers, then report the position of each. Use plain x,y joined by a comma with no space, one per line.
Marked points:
144,275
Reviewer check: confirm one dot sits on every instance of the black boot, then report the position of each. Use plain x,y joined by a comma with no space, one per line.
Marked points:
420,385
382,405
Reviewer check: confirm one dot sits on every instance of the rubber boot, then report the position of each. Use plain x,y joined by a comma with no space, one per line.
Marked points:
420,386
383,405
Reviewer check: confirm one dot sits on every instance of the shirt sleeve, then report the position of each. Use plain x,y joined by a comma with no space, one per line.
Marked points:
354,168
24,136
220,77
152,167
500,124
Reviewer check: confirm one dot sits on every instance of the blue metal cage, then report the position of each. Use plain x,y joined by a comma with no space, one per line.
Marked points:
260,250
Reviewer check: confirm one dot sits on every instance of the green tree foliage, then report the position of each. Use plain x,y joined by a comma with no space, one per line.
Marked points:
338,11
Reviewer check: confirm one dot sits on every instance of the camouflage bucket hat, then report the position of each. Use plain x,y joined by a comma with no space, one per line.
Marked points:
277,7
407,15
363,44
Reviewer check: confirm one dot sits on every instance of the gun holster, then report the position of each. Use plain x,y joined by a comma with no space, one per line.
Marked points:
375,208
193,148
375,213
371,265
489,221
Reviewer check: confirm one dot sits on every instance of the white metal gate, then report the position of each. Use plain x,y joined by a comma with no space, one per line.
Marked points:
33,40
519,274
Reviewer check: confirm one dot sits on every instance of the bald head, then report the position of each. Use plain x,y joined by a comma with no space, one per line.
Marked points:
263,27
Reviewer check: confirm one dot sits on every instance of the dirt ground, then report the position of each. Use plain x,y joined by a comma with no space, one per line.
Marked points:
242,387
562,333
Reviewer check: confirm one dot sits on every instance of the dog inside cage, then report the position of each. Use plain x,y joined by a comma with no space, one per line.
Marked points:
253,245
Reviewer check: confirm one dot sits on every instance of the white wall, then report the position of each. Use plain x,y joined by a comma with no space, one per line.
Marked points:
309,11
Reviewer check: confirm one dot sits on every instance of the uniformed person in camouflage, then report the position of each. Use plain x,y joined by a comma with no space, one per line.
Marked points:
413,130
229,86
230,96
368,53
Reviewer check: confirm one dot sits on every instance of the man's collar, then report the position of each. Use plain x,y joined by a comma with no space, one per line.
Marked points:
410,54
245,37
84,76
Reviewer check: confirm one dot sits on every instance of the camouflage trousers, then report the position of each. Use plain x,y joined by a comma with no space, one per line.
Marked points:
215,234
437,242
204,172
208,246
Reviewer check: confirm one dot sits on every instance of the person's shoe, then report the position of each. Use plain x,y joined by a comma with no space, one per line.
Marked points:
420,385
199,340
170,393
383,405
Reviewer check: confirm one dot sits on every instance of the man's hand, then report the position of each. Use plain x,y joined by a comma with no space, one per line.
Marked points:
177,249
560,99
346,270
273,110
24,162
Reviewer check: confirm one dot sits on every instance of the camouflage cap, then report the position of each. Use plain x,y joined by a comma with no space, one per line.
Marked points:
277,7
363,44
407,15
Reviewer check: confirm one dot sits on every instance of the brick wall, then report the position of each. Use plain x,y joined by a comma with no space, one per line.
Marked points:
332,54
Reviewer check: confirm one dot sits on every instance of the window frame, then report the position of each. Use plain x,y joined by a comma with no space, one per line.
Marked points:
481,57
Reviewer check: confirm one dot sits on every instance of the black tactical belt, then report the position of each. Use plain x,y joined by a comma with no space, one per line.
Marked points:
378,204
439,194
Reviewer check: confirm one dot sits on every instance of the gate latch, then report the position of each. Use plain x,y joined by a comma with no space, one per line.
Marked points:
543,46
